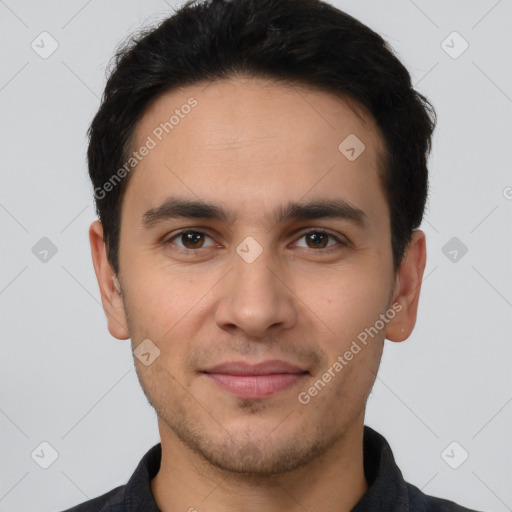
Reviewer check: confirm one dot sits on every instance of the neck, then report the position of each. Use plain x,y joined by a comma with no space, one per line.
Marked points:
334,481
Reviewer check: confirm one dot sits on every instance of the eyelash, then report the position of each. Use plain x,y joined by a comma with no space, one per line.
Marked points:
191,252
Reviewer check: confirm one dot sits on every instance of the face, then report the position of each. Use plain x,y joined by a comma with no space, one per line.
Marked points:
244,278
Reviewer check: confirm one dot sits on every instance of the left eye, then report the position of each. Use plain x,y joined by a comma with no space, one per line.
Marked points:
318,238
192,240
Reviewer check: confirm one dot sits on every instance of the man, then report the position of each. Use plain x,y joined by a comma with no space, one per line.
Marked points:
259,169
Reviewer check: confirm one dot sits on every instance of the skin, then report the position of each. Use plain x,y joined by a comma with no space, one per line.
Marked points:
252,145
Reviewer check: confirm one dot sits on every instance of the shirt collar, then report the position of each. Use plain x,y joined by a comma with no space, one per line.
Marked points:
387,490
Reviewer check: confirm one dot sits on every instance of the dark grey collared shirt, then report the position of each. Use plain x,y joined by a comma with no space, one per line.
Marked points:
387,492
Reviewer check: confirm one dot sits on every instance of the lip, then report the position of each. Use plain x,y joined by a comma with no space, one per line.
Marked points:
255,381
268,367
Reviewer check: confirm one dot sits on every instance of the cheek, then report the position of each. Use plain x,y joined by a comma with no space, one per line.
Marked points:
170,308
347,301
160,296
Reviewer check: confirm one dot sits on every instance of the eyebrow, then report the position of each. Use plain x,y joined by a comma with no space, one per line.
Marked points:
179,207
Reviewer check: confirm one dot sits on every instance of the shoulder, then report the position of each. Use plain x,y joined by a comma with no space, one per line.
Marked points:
420,502
111,501
135,495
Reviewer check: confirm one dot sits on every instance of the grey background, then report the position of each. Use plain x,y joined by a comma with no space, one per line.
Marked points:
66,381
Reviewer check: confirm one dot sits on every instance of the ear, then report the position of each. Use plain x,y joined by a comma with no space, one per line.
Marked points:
407,288
109,285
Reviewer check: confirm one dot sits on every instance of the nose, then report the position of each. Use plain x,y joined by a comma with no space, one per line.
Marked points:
257,297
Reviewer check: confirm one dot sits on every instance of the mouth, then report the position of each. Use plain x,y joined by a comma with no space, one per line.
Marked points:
255,381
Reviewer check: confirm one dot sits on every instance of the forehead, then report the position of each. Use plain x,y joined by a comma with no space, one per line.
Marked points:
254,141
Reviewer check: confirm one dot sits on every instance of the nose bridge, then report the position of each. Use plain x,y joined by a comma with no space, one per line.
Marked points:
254,283
254,298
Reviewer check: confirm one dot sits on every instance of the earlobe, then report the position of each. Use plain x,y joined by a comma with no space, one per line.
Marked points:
108,282
407,288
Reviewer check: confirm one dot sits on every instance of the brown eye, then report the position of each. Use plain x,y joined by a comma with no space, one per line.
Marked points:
190,240
319,239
